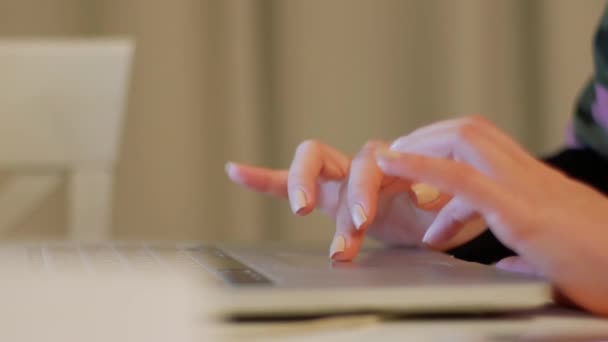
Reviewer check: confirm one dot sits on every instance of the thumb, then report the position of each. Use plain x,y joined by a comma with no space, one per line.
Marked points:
517,264
427,197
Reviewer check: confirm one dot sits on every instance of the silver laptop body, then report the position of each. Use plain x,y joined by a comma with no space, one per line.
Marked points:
287,279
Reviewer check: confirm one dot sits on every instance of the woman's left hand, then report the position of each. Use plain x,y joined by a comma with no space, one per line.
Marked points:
557,226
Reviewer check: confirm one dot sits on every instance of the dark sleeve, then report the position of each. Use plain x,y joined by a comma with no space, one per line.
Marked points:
584,165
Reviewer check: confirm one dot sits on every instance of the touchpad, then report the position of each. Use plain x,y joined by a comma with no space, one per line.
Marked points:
299,266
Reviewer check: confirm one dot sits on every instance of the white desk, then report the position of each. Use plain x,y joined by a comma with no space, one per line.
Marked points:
156,306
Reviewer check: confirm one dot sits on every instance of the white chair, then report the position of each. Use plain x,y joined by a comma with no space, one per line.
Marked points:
61,108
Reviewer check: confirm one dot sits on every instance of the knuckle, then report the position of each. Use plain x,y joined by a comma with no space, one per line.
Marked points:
373,144
460,175
462,172
308,144
478,120
417,164
370,147
468,132
480,123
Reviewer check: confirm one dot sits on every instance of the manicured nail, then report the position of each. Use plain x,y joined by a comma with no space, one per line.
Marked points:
228,167
299,201
430,238
337,246
425,193
358,214
385,153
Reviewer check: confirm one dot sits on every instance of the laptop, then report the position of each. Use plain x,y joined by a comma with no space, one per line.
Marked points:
272,280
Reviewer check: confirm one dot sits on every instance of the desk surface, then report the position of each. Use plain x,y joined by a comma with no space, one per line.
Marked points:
551,324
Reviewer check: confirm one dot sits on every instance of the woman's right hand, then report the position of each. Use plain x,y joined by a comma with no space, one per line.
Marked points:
354,193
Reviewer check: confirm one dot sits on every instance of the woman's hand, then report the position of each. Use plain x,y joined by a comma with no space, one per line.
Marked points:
354,193
558,227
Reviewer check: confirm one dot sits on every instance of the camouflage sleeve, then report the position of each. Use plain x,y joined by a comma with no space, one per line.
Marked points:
590,124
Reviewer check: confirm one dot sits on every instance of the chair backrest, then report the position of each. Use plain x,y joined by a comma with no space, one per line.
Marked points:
61,107
61,101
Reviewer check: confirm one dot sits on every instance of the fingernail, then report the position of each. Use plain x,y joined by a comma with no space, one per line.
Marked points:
386,153
359,217
338,245
299,201
429,238
425,193
228,167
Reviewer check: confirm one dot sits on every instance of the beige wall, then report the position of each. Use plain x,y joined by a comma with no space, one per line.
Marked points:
248,79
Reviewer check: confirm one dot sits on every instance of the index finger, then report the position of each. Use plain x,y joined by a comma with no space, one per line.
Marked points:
364,182
258,179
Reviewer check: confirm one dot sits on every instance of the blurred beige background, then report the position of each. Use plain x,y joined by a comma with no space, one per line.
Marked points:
247,80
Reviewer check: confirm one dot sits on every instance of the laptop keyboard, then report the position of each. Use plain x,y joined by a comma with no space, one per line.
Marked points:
129,258
227,268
